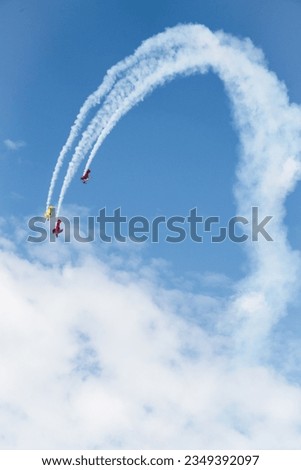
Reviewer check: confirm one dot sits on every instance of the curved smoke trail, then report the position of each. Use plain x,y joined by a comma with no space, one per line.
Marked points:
93,100
152,55
149,48
269,130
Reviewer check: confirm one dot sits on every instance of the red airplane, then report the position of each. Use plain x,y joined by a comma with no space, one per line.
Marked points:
86,176
57,228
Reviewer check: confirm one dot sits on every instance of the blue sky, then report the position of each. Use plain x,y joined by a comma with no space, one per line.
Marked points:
57,53
177,150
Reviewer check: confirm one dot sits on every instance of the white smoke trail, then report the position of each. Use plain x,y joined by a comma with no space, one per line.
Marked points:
269,129
150,47
153,55
93,100
90,102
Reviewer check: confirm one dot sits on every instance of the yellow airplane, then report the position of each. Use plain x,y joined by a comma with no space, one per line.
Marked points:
49,212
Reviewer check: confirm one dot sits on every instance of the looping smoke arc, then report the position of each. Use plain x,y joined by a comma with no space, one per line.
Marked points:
269,133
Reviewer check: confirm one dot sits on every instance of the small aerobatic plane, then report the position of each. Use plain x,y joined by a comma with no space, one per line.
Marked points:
86,176
49,212
57,229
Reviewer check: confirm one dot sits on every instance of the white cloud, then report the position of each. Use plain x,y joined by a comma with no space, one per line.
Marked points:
93,356
14,144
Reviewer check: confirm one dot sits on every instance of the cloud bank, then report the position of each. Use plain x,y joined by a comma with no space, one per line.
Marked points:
99,355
